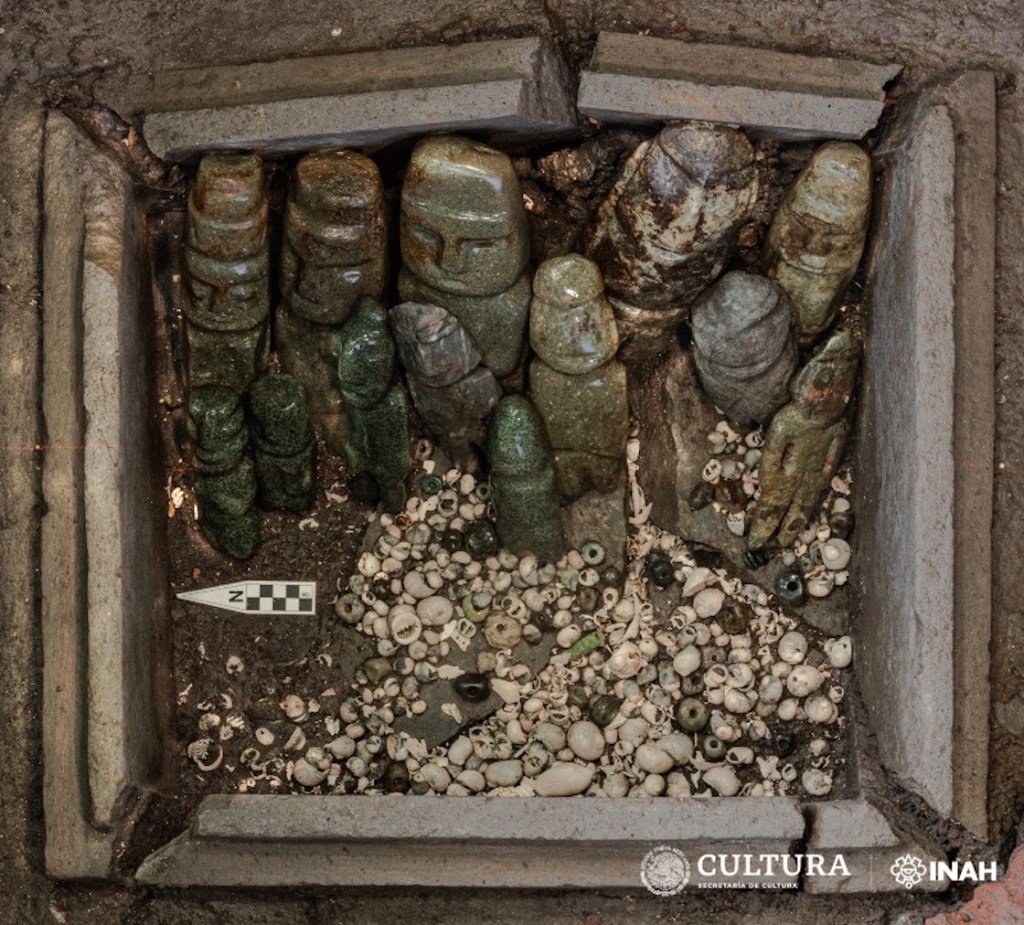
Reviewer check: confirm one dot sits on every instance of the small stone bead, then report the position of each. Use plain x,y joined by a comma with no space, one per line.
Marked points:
661,572
431,484
789,586
480,539
692,714
473,687
396,777
592,552
603,709
701,496
712,748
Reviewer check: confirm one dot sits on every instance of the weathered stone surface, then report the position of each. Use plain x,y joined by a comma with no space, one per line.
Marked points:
452,392
599,516
465,243
817,235
333,252
669,225
525,499
804,443
225,481
377,443
506,89
577,386
928,406
744,350
639,78
226,288
282,439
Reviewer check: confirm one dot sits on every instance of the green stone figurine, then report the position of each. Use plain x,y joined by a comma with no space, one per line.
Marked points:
332,253
576,384
817,235
227,295
225,482
523,481
465,245
282,438
669,226
804,443
377,444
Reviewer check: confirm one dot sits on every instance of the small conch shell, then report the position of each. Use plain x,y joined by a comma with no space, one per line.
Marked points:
625,661
206,754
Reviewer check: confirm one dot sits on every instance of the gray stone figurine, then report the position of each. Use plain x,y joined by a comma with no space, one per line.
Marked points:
743,346
523,480
465,244
576,384
817,235
225,480
377,441
452,392
282,439
804,443
669,225
227,295
332,253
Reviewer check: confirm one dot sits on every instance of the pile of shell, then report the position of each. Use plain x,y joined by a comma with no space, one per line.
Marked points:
720,695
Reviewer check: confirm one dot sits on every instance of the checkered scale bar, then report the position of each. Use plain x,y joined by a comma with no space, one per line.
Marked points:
278,597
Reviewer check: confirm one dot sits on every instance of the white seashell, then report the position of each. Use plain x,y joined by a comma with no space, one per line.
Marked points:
653,785
792,647
586,740
342,747
722,780
741,676
294,707
736,522
405,627
472,780
712,471
740,754
839,651
677,745
698,579
264,736
835,554
625,661
206,754
787,709
617,785
819,582
803,680
736,701
564,779
452,710
436,777
568,635
816,782
677,785
708,602
819,709
633,730
770,689
508,691
652,759
505,773
415,584
369,565
716,676
435,610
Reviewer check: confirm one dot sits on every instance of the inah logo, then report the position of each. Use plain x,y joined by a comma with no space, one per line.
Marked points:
665,870
908,870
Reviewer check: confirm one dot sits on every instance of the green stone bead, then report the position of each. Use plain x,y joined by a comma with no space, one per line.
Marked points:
480,539
713,748
431,484
585,645
603,709
692,714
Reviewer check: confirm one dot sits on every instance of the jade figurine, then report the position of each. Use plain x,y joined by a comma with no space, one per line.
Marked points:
282,440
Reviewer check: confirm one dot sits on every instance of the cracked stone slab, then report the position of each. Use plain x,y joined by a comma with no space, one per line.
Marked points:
639,78
512,89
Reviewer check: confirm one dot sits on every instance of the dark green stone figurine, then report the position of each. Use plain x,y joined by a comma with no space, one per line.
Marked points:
523,479
332,253
227,295
377,443
225,482
282,439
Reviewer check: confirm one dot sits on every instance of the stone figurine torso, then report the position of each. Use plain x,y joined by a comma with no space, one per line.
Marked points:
226,294
282,438
465,245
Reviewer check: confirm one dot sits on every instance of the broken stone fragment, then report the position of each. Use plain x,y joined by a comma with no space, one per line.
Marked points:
452,392
332,253
225,482
465,245
804,443
816,238
576,384
669,225
377,442
282,438
226,295
523,480
743,347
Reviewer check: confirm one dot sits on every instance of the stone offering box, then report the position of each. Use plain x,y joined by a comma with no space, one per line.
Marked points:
921,611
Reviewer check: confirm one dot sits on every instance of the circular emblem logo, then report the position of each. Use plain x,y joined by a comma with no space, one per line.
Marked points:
665,871
908,870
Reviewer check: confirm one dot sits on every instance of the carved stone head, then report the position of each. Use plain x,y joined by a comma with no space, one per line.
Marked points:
216,424
463,224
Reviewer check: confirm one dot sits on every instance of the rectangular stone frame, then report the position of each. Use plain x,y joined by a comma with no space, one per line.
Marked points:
351,840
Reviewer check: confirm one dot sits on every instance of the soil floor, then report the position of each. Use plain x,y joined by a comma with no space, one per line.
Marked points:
41,40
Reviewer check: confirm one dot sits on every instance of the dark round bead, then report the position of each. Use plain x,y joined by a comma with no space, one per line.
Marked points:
604,708
701,496
431,484
450,540
789,586
473,687
611,577
841,524
396,777
577,696
365,489
483,491
661,572
480,539
785,743
734,617
692,714
755,558
712,748
382,590
706,556
587,596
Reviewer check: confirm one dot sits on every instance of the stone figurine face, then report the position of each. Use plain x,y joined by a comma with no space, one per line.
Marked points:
432,345
280,416
366,360
226,253
335,222
572,324
825,214
216,424
463,226
823,387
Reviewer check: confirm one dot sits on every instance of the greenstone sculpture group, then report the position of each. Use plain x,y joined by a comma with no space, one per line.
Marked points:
518,376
